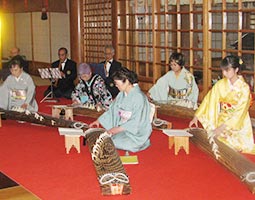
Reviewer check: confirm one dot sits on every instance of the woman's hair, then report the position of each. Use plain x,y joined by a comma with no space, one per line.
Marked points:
15,62
178,58
231,61
124,74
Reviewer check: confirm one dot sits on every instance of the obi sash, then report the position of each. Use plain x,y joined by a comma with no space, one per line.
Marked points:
178,94
18,94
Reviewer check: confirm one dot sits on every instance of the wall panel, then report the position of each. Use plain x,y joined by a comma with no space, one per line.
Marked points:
23,34
60,33
41,38
8,34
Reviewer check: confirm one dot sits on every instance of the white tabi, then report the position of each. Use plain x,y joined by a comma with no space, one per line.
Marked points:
17,91
171,87
132,112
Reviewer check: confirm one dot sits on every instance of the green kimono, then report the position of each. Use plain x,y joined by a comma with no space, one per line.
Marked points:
132,112
171,87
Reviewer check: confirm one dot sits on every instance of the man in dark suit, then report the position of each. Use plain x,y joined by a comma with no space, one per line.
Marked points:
111,66
63,87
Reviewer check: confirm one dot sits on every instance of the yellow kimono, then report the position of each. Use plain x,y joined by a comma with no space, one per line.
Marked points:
229,104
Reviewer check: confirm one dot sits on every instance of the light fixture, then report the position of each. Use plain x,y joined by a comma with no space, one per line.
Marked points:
44,10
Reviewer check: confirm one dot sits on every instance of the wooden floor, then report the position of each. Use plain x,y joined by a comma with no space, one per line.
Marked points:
10,190
16,193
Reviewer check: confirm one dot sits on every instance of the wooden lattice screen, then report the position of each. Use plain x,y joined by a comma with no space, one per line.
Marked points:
232,32
148,31
204,31
97,28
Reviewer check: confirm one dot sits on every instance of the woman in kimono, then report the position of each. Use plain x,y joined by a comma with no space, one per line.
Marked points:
91,90
128,118
178,84
18,90
224,110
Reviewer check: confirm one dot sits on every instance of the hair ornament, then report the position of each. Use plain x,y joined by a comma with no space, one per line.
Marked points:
240,61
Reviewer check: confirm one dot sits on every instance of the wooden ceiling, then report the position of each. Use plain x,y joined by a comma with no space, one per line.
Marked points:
19,6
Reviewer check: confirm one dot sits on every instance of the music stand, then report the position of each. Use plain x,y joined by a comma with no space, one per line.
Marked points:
49,73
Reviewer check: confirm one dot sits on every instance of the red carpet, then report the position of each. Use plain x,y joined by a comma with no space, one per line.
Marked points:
34,156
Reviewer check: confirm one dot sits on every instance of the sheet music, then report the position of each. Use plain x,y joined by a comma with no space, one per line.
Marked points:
177,132
44,73
55,73
70,131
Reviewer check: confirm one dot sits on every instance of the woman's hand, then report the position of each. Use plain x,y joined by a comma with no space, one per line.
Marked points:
193,121
94,124
76,102
219,129
99,107
115,130
24,106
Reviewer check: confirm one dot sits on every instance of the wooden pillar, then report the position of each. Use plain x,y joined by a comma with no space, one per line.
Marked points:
76,30
207,25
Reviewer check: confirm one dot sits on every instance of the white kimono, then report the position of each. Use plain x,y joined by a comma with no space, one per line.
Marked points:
17,91
171,87
132,112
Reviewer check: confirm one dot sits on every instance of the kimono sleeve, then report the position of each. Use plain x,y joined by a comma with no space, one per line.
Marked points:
159,91
105,97
4,91
76,92
30,91
235,119
207,112
109,118
140,115
194,91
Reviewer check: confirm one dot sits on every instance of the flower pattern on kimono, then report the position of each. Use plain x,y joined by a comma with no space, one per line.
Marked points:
227,107
101,94
189,80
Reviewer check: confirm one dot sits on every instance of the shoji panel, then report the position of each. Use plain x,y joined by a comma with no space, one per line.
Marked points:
8,39
60,33
41,40
23,34
150,30
97,28
232,32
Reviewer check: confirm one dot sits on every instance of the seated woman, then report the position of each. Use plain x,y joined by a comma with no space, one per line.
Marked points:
224,110
91,89
128,118
177,86
18,90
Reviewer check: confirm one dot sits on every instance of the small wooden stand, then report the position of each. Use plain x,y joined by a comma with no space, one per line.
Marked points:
68,112
72,141
179,142
1,118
